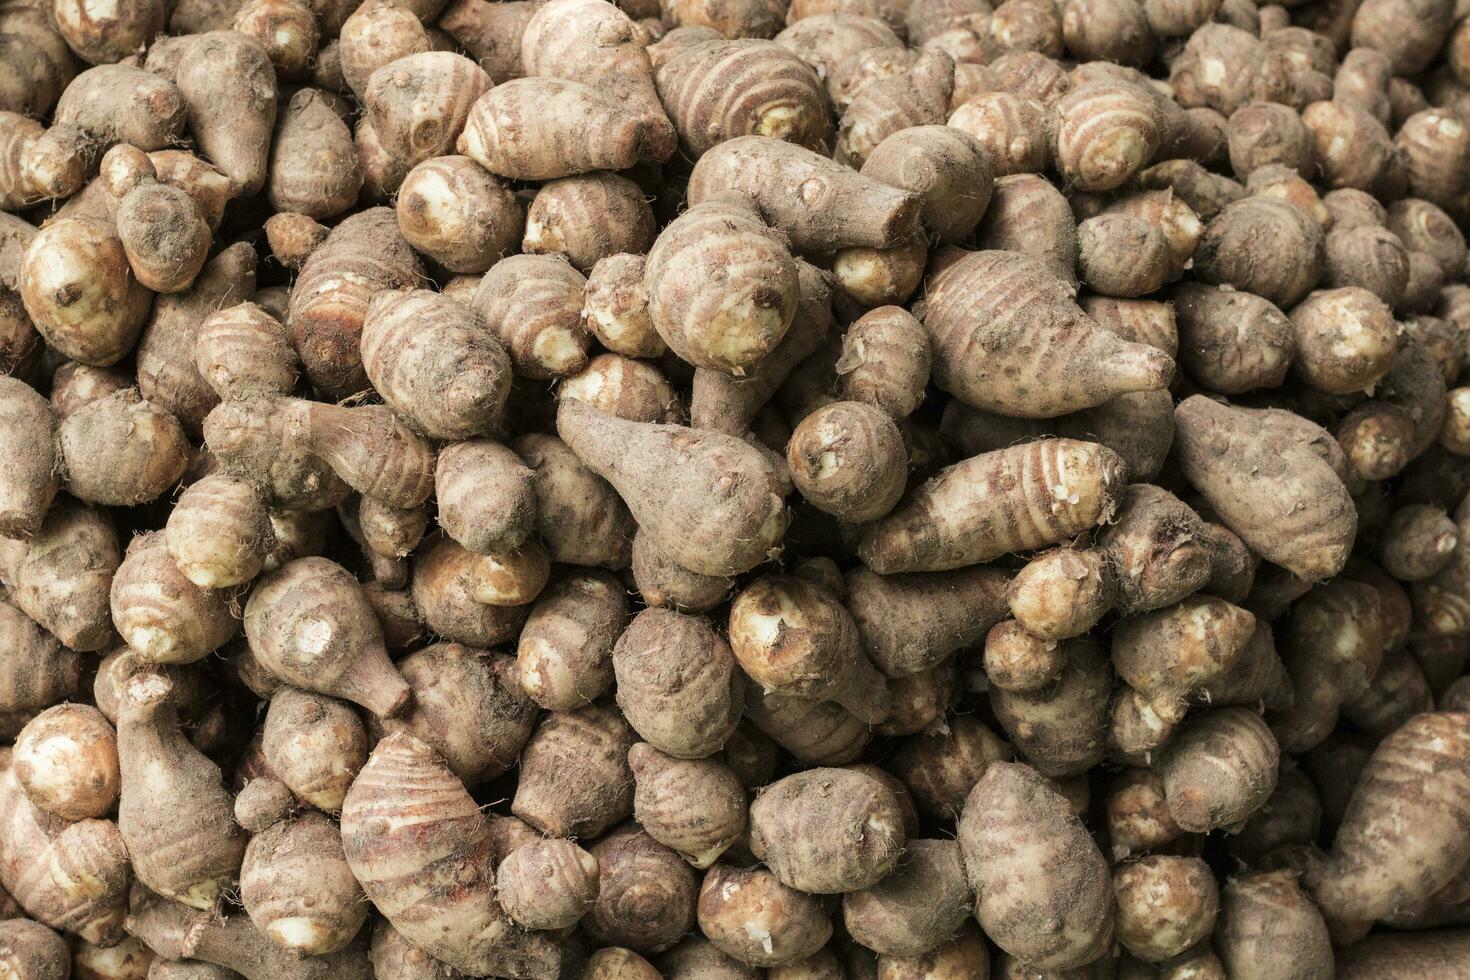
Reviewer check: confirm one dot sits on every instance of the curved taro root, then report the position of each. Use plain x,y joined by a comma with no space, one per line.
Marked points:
419,845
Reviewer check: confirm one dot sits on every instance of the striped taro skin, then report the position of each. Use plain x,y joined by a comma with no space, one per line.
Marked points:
161,613
695,806
1219,769
597,44
722,287
917,97
646,893
71,876
433,363
1008,338
1015,499
590,217
242,350
175,814
511,134
363,255
419,104
420,846
718,90
533,306
1013,128
369,447
548,884
1407,827
1027,214
826,41
1106,133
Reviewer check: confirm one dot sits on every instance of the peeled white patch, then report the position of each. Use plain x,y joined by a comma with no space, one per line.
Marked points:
556,350
778,122
100,9
761,935
156,643
297,932
314,635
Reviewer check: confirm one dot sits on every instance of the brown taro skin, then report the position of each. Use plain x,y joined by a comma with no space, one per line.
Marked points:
1020,661
922,904
1269,928
315,744
229,87
1403,835
175,813
468,705
589,217
29,481
417,105
29,949
818,732
941,767
729,404
190,935
301,599
433,363
749,915
161,614
547,884
664,473
1168,654
1273,490
532,305
718,89
599,45
298,889
574,775
1263,246
646,893
1029,215
1015,499
820,204
848,459
695,806
510,134
70,876
886,360
1219,769
564,654
678,683
61,576
418,843
1232,341
66,759
362,255
825,831
722,286
1059,594
314,169
1061,727
917,97
486,496
1016,829
1008,338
